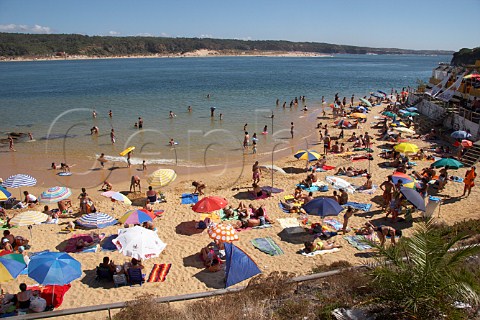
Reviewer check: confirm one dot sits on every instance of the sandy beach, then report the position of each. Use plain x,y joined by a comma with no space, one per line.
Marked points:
176,226
201,53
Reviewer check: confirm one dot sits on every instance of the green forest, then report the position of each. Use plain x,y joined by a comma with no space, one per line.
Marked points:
44,45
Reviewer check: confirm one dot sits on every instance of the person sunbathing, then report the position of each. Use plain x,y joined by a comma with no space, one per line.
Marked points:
420,155
151,195
297,195
107,186
312,246
357,144
257,190
352,138
64,205
366,230
229,212
80,244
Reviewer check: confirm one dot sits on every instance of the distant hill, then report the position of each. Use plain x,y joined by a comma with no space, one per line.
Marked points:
42,45
466,56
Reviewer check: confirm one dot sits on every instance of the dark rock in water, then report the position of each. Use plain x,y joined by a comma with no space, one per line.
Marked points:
58,136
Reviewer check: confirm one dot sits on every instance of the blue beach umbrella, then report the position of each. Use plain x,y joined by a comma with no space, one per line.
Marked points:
412,109
309,155
414,198
96,220
384,93
323,207
19,180
54,268
11,265
378,95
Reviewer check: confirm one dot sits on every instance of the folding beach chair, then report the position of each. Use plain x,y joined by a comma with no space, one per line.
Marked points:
135,276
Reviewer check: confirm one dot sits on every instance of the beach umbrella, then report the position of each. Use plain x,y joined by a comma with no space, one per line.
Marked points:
465,143
377,95
447,162
472,76
4,194
343,123
384,93
55,194
19,180
339,183
323,207
398,124
96,220
309,155
401,176
359,115
210,204
455,134
412,109
161,178
414,198
273,168
361,109
366,102
28,218
389,114
222,232
117,196
405,130
406,147
137,216
54,268
11,265
139,243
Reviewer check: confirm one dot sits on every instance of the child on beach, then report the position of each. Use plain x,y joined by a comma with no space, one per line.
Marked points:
254,147
144,166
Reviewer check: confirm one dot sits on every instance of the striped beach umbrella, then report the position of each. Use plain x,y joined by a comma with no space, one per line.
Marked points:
161,177
138,216
309,155
55,194
4,194
96,220
117,196
28,218
11,265
223,233
19,180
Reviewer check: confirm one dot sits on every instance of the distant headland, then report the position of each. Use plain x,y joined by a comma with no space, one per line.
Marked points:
17,46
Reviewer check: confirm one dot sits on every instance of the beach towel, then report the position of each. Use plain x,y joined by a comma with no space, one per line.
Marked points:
326,168
456,179
272,190
359,206
252,196
319,252
107,244
288,222
159,272
72,242
189,198
263,226
283,208
317,170
335,224
267,245
367,191
52,293
360,241
222,216
309,189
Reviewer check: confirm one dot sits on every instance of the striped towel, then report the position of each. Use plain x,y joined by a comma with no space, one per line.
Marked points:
335,224
159,272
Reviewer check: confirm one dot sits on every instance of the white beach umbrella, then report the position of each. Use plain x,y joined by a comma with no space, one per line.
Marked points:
339,183
28,218
139,243
273,168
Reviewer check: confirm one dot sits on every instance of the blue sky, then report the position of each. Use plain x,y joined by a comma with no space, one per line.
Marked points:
409,24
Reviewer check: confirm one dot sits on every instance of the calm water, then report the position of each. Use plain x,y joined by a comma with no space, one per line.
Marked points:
244,89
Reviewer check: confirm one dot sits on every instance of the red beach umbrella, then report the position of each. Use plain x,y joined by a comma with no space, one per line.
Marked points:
210,204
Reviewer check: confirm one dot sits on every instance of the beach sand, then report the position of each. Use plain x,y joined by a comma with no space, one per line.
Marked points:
176,225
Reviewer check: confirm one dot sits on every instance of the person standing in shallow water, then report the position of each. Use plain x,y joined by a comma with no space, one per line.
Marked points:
112,136
291,128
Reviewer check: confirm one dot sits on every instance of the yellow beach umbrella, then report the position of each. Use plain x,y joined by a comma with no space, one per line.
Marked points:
359,115
28,218
161,178
406,147
308,155
400,124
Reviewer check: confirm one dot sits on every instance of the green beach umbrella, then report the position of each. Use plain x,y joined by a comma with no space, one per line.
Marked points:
447,162
366,102
389,114
410,114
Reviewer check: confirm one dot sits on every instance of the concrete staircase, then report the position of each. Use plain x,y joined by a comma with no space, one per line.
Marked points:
472,156
426,124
